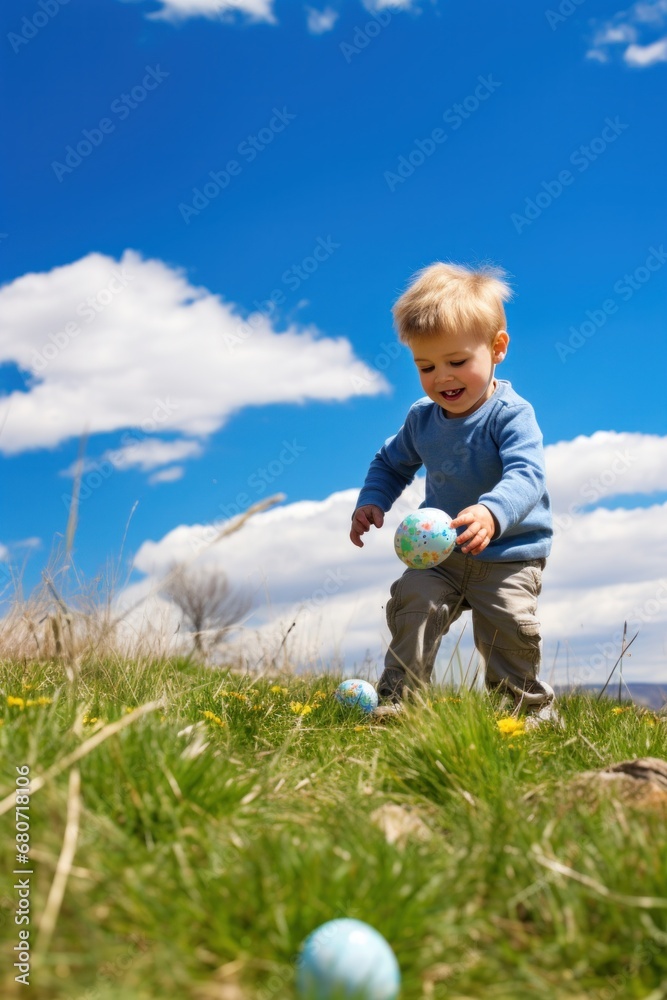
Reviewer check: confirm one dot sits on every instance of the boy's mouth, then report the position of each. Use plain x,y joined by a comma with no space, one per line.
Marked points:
452,394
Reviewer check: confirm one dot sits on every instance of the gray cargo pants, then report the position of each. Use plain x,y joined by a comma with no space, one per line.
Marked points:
502,596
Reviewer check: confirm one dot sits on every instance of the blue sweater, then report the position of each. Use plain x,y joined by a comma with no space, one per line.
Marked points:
493,456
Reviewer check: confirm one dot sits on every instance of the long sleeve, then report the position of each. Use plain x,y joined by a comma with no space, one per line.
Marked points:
393,468
519,442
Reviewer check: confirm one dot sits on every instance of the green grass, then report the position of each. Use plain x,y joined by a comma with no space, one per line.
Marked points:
204,859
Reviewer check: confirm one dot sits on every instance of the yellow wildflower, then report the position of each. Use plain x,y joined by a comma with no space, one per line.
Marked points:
618,710
234,694
15,702
359,729
511,727
213,718
320,694
277,689
28,687
38,701
299,708
90,720
128,710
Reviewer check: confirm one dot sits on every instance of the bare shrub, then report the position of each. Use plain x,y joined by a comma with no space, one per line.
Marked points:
208,604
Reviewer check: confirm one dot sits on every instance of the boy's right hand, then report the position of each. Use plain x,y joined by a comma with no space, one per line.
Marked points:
362,519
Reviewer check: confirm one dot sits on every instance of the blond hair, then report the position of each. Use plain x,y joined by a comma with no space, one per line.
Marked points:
451,299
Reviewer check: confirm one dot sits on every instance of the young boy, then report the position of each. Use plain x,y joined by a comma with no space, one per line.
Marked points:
482,450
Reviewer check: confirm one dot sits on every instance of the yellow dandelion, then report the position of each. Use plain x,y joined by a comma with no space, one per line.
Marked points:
90,720
618,710
238,697
277,689
299,708
320,694
28,687
128,710
38,701
212,717
359,729
511,727
13,702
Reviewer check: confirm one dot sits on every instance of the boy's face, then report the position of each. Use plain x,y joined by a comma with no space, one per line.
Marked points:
456,372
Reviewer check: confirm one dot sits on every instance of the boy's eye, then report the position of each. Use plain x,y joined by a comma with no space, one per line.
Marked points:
425,371
457,364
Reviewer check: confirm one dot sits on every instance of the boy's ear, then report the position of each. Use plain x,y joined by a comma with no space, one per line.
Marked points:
500,346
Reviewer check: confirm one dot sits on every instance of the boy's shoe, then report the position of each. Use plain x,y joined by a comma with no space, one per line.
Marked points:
537,693
547,713
539,710
389,708
536,702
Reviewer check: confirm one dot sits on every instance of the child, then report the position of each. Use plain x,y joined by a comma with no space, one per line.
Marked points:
482,450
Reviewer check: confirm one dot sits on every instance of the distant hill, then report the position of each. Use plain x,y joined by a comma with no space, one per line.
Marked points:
651,695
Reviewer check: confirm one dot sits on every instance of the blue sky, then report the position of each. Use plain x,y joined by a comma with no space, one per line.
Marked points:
338,111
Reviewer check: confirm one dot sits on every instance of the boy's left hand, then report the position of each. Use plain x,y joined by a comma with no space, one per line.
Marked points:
481,528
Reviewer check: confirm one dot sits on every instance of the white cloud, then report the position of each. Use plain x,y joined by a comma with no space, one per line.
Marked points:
644,18
151,453
612,34
13,549
132,344
258,11
583,471
170,475
179,10
646,55
320,21
375,5
606,567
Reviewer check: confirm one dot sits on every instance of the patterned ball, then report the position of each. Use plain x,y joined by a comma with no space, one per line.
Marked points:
347,958
425,538
359,693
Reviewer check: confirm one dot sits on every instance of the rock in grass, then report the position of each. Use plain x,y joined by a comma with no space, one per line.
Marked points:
641,783
400,825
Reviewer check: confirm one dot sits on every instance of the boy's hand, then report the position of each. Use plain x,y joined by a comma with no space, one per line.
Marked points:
362,519
481,528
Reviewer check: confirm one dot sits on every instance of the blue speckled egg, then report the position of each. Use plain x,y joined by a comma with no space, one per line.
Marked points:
425,538
359,693
347,958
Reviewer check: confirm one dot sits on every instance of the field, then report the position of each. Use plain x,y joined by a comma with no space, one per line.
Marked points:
185,849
